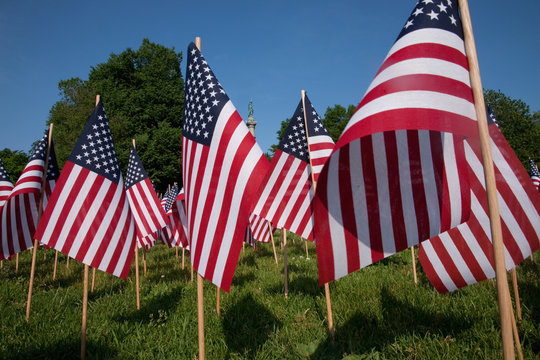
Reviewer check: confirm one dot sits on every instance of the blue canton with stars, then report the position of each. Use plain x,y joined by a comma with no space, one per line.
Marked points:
135,171
441,14
491,119
294,140
3,173
534,168
95,150
171,196
204,99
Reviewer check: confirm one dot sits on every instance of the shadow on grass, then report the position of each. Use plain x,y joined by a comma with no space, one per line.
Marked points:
247,326
114,288
248,259
241,280
63,349
362,334
170,274
153,308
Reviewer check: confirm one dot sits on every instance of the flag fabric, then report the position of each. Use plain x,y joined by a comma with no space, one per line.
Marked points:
222,169
258,229
5,185
88,216
397,174
180,220
19,215
170,234
148,241
535,174
464,255
287,194
147,211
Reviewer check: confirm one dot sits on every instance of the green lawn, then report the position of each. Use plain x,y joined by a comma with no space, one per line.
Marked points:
378,312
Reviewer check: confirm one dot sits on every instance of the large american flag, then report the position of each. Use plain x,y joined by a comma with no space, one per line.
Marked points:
147,211
397,175
220,159
88,216
464,255
19,215
535,174
5,185
287,194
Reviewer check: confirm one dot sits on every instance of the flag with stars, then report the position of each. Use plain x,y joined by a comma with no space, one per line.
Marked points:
535,174
222,169
19,214
147,211
172,234
464,255
287,194
88,216
5,185
398,175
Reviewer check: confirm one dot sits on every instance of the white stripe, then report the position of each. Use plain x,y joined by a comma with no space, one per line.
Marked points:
149,194
192,176
286,181
132,199
414,99
428,178
263,198
435,261
477,250
305,208
126,250
383,194
407,198
423,66
430,35
456,258
452,179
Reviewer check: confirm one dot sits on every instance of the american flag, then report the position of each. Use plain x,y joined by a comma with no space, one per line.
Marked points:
88,216
398,175
5,185
20,211
147,211
535,174
258,229
180,219
220,162
464,255
287,194
171,234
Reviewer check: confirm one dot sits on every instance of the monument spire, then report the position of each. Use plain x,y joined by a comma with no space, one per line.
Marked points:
251,120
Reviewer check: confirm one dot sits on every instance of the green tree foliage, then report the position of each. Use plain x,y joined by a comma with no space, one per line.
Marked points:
14,162
143,94
518,124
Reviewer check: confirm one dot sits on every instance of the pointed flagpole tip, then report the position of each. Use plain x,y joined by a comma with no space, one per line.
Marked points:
98,97
198,42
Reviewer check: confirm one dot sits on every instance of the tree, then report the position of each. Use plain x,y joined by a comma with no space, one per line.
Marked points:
14,162
517,124
143,95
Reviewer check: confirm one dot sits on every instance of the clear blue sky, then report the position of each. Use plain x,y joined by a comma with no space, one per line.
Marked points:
266,51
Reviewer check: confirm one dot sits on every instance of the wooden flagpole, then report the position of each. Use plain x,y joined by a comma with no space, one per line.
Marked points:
273,244
326,286
176,253
40,211
144,260
503,292
183,256
218,300
16,263
516,293
85,296
285,275
93,279
136,264
55,263
67,262
414,266
516,337
200,293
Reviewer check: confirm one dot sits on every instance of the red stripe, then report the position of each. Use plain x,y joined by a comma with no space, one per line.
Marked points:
200,173
347,214
120,246
276,185
437,160
430,271
468,256
463,174
409,118
417,185
448,263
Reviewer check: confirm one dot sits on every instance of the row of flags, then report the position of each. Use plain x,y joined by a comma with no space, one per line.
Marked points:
406,171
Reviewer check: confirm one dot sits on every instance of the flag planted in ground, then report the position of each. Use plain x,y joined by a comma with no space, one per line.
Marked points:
220,161
464,255
535,174
88,216
19,215
5,185
147,211
287,194
397,175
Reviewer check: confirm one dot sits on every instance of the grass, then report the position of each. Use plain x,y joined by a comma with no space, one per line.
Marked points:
378,312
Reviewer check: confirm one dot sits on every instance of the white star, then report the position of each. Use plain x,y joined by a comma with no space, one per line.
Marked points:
433,15
453,20
79,157
442,7
215,103
409,23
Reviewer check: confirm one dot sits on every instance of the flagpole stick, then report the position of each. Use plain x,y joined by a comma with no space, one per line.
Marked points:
137,277
40,211
516,337
84,311
326,286
183,256
144,260
503,292
176,253
218,301
55,263
200,298
93,279
67,262
273,244
307,251
516,293
285,275
17,263
191,266
414,266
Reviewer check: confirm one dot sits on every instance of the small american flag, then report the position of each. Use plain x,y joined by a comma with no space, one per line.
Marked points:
88,216
20,211
259,229
220,159
398,175
535,174
180,219
171,235
5,185
287,193
147,211
464,255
